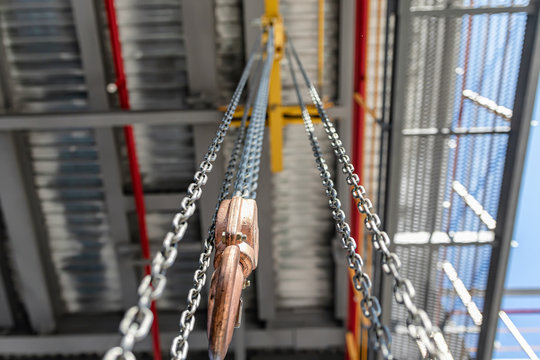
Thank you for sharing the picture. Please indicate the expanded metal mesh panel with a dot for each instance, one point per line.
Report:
(42, 56)
(475, 161)
(154, 53)
(66, 174)
(166, 157)
(439, 297)
(302, 224)
(452, 156)
(301, 22)
(229, 45)
(444, 4)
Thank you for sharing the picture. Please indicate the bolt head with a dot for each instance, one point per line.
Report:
(112, 88)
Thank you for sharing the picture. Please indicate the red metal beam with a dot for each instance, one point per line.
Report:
(361, 29)
(134, 169)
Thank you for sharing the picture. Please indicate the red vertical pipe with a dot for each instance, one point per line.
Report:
(358, 139)
(134, 170)
(116, 49)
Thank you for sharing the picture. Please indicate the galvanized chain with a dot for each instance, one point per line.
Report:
(248, 172)
(138, 319)
(255, 161)
(238, 145)
(180, 345)
(418, 322)
(369, 304)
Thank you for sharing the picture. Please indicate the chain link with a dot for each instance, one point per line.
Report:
(369, 304)
(418, 323)
(138, 319)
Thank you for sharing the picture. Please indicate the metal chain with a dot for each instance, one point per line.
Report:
(138, 319)
(418, 322)
(255, 161)
(369, 304)
(236, 152)
(248, 172)
(260, 114)
(180, 345)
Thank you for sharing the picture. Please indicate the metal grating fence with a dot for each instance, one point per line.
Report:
(463, 4)
(461, 76)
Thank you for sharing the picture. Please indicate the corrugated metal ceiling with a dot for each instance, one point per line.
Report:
(47, 76)
(42, 56)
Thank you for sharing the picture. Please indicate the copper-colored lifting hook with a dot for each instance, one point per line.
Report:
(237, 253)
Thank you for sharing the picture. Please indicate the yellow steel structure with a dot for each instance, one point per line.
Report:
(291, 113)
(278, 114)
(275, 110)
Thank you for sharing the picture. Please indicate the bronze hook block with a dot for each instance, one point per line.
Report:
(237, 250)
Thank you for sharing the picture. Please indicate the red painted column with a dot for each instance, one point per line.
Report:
(361, 30)
(134, 169)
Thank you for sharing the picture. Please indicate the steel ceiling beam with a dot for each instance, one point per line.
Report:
(290, 338)
(109, 161)
(105, 119)
(399, 84)
(6, 317)
(119, 118)
(24, 239)
(91, 50)
(252, 14)
(265, 274)
(200, 43)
